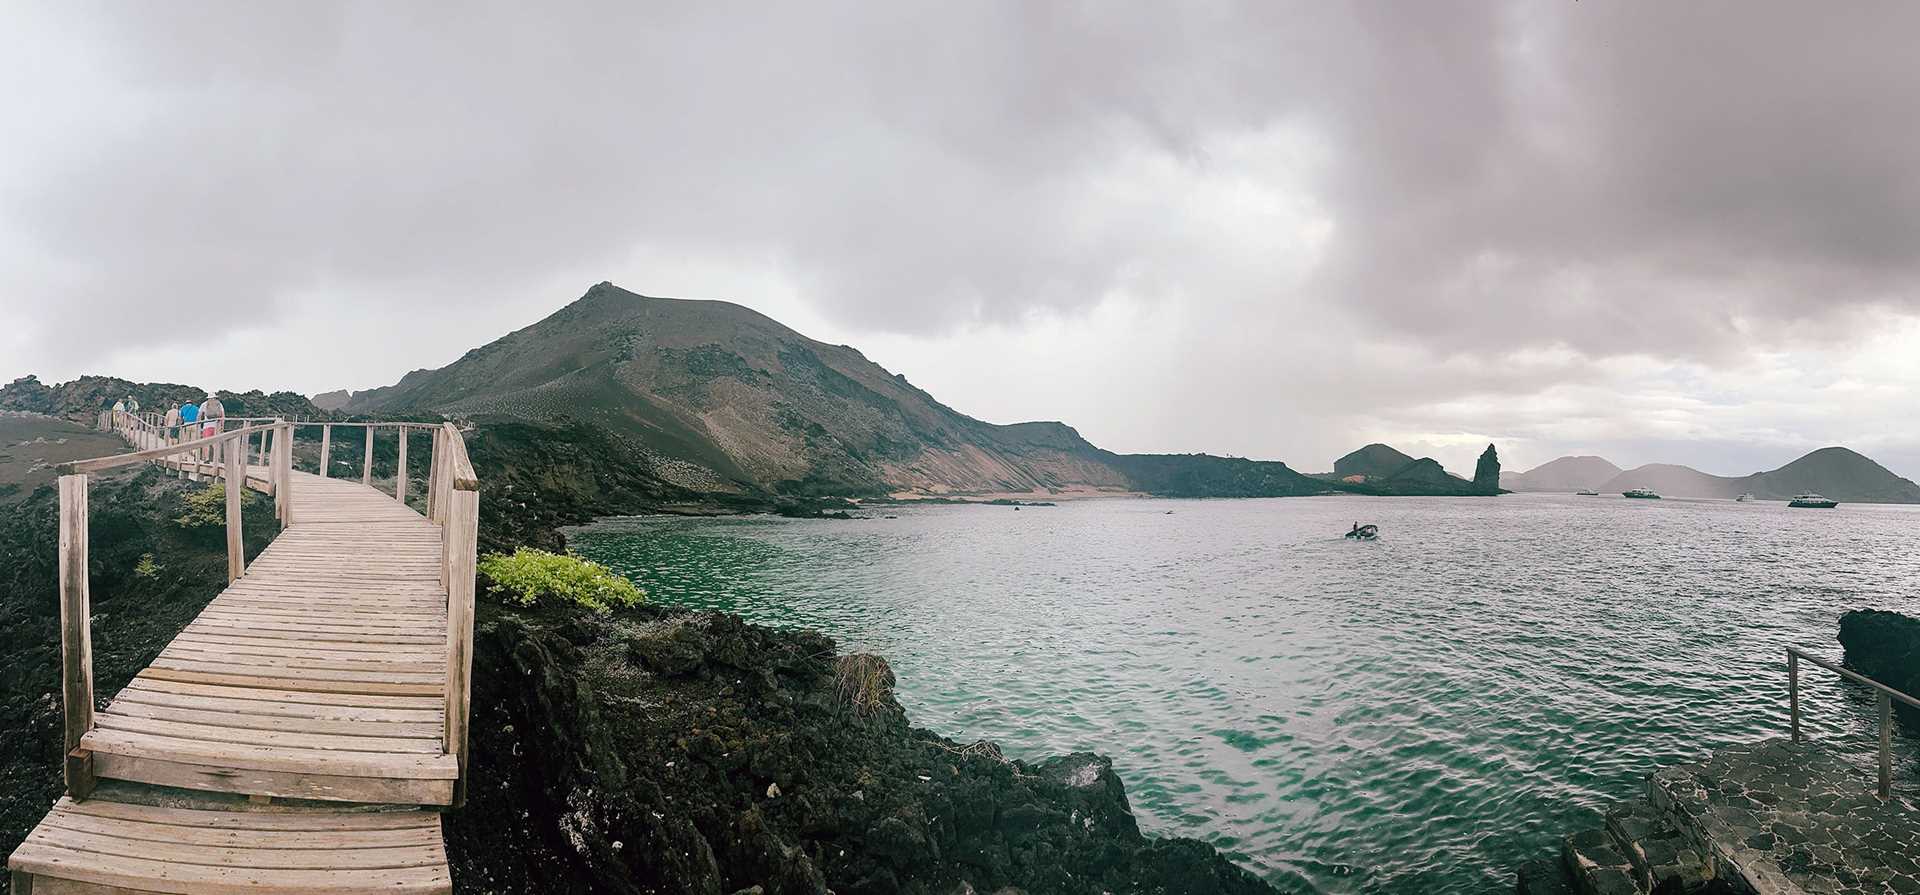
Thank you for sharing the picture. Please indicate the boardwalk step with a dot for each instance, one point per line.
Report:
(107, 847)
(292, 770)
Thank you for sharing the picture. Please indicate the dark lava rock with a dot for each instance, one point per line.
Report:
(660, 750)
(1885, 646)
(1486, 472)
(814, 508)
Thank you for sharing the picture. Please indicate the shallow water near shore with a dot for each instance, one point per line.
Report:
(1423, 713)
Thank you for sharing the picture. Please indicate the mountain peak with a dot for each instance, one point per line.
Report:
(1840, 473)
(1572, 473)
(1373, 461)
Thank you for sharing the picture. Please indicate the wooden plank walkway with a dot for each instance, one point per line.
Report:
(321, 676)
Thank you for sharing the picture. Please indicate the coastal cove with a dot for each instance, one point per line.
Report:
(1420, 714)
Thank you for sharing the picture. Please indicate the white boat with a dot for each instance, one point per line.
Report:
(1744, 498)
(1586, 492)
(1641, 494)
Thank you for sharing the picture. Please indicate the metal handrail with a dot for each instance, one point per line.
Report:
(1883, 694)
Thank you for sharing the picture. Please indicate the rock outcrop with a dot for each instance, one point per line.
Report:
(1486, 473)
(337, 399)
(1884, 646)
(662, 750)
(1379, 469)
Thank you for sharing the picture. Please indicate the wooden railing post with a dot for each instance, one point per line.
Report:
(76, 634)
(432, 479)
(366, 466)
(236, 485)
(283, 468)
(460, 535)
(326, 448)
(400, 471)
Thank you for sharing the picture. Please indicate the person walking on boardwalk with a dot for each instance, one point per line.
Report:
(170, 427)
(133, 404)
(119, 415)
(213, 416)
(189, 426)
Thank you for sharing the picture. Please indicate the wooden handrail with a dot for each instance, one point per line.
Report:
(463, 477)
(460, 532)
(76, 619)
(79, 467)
(1883, 694)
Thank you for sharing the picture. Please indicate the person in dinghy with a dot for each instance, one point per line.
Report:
(1364, 532)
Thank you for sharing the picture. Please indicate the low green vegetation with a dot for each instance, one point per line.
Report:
(207, 507)
(528, 577)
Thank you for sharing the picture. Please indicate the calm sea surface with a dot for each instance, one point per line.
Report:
(1419, 714)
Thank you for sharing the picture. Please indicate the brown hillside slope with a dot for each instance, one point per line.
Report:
(741, 401)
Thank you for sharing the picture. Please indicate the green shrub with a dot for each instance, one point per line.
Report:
(207, 507)
(532, 576)
(147, 568)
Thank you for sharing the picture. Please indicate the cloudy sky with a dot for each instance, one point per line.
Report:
(1679, 232)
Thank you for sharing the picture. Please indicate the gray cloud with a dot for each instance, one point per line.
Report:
(1463, 203)
(1679, 179)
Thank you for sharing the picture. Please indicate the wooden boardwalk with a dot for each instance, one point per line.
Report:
(325, 685)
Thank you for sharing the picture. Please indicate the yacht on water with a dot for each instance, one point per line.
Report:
(1813, 501)
(1744, 498)
(1586, 492)
(1641, 494)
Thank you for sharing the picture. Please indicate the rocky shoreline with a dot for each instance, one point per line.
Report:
(663, 750)
(1774, 811)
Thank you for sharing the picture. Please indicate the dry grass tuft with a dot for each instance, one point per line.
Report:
(865, 683)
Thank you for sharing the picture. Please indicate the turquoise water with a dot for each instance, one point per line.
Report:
(1419, 714)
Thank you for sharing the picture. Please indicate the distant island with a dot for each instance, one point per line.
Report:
(1381, 469)
(1836, 472)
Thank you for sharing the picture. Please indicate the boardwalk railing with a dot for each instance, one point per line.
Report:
(452, 498)
(401, 431)
(1884, 695)
(76, 616)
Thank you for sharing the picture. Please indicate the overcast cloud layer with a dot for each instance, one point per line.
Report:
(1680, 232)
